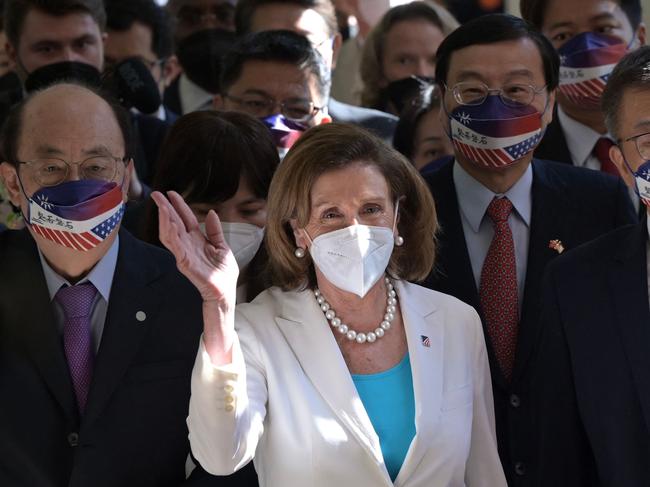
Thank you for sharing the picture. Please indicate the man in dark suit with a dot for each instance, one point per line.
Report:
(592, 380)
(503, 216)
(316, 20)
(577, 135)
(98, 331)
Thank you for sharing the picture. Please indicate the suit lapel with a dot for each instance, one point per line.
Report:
(628, 285)
(307, 333)
(545, 225)
(421, 321)
(30, 310)
(553, 146)
(131, 295)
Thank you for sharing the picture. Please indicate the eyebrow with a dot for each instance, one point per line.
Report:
(367, 199)
(595, 18)
(475, 74)
(100, 149)
(431, 139)
(642, 124)
(251, 200)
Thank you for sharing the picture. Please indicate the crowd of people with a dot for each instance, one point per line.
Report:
(240, 245)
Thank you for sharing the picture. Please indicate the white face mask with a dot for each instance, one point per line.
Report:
(244, 239)
(353, 258)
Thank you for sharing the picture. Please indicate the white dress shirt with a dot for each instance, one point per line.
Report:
(101, 276)
(580, 140)
(473, 201)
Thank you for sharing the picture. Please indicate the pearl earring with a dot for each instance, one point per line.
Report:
(399, 241)
(299, 252)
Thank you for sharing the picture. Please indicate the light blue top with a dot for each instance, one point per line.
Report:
(101, 276)
(390, 404)
(473, 201)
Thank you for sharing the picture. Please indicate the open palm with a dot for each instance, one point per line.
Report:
(206, 260)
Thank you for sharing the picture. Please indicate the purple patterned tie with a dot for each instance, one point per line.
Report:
(77, 302)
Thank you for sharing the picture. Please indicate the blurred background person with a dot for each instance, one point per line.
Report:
(204, 32)
(277, 77)
(400, 54)
(221, 161)
(316, 20)
(591, 36)
(142, 29)
(420, 135)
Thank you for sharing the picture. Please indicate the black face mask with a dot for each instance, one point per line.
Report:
(200, 55)
(49, 74)
(403, 91)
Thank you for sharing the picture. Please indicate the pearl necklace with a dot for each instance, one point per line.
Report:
(350, 334)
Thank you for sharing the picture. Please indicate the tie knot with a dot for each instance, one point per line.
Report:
(499, 209)
(601, 149)
(76, 301)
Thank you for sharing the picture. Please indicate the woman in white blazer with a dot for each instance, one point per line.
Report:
(344, 374)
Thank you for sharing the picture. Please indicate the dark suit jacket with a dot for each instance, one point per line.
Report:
(133, 432)
(382, 124)
(592, 383)
(150, 133)
(571, 204)
(553, 146)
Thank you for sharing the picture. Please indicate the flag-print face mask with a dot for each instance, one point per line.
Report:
(76, 214)
(494, 135)
(586, 62)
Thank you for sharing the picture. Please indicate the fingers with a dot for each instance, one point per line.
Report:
(184, 212)
(162, 202)
(213, 230)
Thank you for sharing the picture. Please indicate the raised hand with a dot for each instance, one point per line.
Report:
(206, 261)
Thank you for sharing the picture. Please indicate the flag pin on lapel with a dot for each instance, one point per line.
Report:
(556, 245)
(425, 341)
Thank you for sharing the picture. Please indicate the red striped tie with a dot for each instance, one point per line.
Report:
(498, 287)
(601, 151)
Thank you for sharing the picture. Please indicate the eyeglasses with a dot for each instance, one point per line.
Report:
(297, 110)
(512, 94)
(642, 142)
(223, 13)
(50, 171)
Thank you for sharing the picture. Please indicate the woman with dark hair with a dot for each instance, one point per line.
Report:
(222, 161)
(420, 135)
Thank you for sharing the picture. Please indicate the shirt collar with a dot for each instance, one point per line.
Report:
(101, 276)
(474, 198)
(193, 97)
(579, 138)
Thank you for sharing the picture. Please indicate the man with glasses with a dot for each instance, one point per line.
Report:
(278, 77)
(316, 20)
(99, 330)
(503, 215)
(142, 29)
(592, 386)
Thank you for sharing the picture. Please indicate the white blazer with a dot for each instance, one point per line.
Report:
(288, 399)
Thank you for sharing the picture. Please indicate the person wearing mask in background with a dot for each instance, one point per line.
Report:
(142, 29)
(591, 36)
(94, 367)
(221, 161)
(399, 56)
(592, 386)
(66, 33)
(505, 214)
(277, 77)
(316, 20)
(420, 136)
(204, 32)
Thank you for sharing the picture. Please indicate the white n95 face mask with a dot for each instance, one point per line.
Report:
(244, 239)
(353, 258)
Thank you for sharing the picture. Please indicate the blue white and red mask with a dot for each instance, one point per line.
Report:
(494, 135)
(76, 214)
(642, 181)
(586, 62)
(285, 132)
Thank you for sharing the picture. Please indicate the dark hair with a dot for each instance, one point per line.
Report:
(12, 126)
(205, 155)
(633, 71)
(493, 28)
(121, 14)
(409, 119)
(534, 11)
(15, 12)
(281, 46)
(246, 9)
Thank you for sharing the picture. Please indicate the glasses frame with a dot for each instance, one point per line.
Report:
(68, 164)
(273, 103)
(634, 138)
(507, 101)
